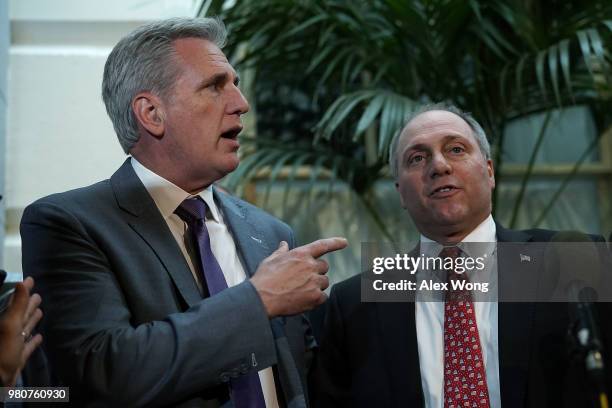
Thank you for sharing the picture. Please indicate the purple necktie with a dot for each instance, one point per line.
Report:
(245, 390)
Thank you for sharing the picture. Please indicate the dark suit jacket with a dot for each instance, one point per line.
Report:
(124, 323)
(369, 355)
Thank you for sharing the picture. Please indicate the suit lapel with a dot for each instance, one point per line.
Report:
(253, 247)
(397, 331)
(144, 218)
(250, 242)
(517, 274)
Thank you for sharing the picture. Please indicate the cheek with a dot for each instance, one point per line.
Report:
(483, 182)
(410, 191)
(406, 184)
(478, 173)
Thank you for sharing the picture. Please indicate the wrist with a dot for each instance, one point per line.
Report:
(267, 299)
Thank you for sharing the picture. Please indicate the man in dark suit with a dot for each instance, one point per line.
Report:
(417, 353)
(160, 290)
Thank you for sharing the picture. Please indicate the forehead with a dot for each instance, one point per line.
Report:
(201, 54)
(434, 126)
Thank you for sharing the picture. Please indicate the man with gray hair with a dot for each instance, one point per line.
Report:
(160, 289)
(454, 351)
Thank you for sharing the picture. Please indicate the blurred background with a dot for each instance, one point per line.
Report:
(330, 83)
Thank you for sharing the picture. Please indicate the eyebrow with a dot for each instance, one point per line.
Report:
(219, 78)
(423, 146)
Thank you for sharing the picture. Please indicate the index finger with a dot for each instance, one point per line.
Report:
(323, 246)
(28, 283)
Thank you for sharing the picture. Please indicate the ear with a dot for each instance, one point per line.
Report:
(401, 197)
(491, 173)
(148, 110)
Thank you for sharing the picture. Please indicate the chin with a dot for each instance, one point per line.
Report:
(449, 211)
(450, 218)
(231, 165)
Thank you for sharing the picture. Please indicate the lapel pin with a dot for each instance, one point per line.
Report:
(525, 258)
(256, 239)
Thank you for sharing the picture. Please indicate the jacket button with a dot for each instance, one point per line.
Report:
(224, 377)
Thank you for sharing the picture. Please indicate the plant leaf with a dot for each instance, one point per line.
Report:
(369, 114)
(586, 50)
(554, 78)
(564, 60)
(540, 72)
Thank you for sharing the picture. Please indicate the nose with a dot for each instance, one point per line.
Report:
(237, 104)
(439, 166)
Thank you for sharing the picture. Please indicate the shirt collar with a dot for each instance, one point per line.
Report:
(167, 195)
(207, 196)
(486, 231)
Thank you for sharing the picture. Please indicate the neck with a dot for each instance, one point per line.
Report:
(447, 238)
(450, 234)
(170, 172)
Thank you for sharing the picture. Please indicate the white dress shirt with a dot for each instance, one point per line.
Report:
(168, 197)
(430, 327)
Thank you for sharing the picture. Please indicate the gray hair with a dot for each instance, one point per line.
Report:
(144, 61)
(477, 131)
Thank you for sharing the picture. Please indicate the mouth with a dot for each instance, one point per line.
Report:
(232, 133)
(444, 191)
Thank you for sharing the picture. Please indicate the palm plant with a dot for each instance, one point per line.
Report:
(335, 79)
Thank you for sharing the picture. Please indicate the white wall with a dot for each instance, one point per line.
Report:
(100, 10)
(4, 52)
(58, 134)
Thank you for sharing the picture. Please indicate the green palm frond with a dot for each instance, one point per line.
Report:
(389, 108)
(271, 158)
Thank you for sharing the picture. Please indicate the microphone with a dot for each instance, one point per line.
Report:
(584, 332)
(582, 316)
(580, 266)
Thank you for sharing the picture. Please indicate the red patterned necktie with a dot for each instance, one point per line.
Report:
(465, 380)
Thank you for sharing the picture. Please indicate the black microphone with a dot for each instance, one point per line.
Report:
(582, 315)
(580, 269)
(586, 337)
